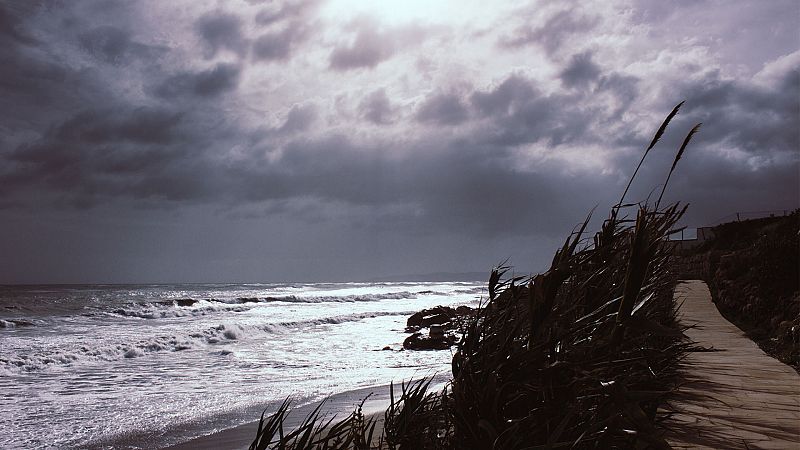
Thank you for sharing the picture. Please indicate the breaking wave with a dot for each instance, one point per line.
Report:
(336, 298)
(16, 323)
(225, 332)
(191, 307)
(333, 320)
(163, 310)
(44, 359)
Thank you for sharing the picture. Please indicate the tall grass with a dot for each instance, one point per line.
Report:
(580, 356)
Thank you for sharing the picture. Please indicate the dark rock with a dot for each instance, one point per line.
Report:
(418, 341)
(427, 317)
(436, 331)
(185, 301)
(442, 321)
(464, 310)
(438, 315)
(386, 348)
(178, 302)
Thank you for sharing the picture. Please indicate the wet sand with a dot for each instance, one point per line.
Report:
(339, 405)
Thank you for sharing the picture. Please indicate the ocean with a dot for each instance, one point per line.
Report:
(152, 365)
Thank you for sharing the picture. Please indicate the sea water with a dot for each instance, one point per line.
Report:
(151, 365)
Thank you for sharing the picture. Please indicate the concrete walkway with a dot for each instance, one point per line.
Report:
(735, 396)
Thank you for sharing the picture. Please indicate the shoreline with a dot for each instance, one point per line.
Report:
(337, 405)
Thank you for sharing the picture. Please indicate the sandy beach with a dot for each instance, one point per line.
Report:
(338, 405)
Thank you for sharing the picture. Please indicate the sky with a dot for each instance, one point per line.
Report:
(261, 141)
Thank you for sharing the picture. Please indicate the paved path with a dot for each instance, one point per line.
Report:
(735, 396)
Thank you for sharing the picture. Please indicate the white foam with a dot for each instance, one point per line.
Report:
(160, 311)
(103, 361)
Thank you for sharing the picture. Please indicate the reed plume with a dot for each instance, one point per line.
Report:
(677, 158)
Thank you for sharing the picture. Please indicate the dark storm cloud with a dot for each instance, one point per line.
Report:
(528, 158)
(377, 108)
(141, 125)
(78, 142)
(208, 83)
(517, 113)
(168, 155)
(746, 156)
(624, 88)
(442, 109)
(299, 118)
(580, 71)
(444, 182)
(114, 45)
(278, 45)
(755, 119)
(507, 94)
(716, 187)
(552, 34)
(221, 31)
(37, 89)
(10, 17)
(84, 154)
(286, 23)
(290, 25)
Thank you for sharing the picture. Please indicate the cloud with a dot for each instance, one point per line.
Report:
(278, 45)
(553, 34)
(747, 117)
(505, 96)
(516, 112)
(221, 31)
(366, 50)
(221, 117)
(277, 12)
(73, 139)
(441, 186)
(442, 109)
(777, 71)
(141, 125)
(580, 71)
(290, 25)
(114, 45)
(208, 83)
(10, 29)
(377, 108)
(299, 118)
(623, 88)
(102, 155)
(372, 44)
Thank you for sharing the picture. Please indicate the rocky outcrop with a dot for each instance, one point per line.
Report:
(419, 341)
(442, 324)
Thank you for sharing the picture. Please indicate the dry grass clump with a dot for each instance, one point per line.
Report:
(353, 432)
(580, 356)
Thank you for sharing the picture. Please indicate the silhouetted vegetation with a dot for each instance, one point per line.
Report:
(583, 355)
